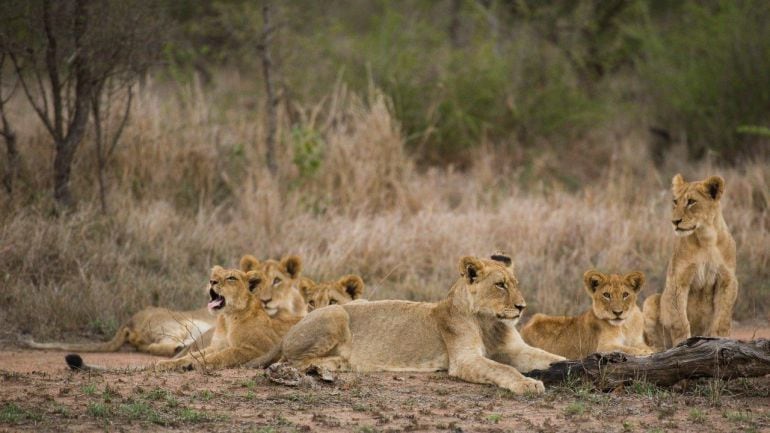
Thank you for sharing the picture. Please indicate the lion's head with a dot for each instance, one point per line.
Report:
(233, 290)
(489, 288)
(695, 203)
(281, 291)
(341, 291)
(614, 296)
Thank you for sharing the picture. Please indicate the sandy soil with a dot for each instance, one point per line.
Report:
(38, 393)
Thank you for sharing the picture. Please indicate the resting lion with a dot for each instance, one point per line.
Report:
(281, 295)
(157, 331)
(243, 330)
(471, 333)
(613, 324)
(340, 291)
(701, 287)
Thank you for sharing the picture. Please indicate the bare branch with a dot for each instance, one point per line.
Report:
(122, 123)
(42, 114)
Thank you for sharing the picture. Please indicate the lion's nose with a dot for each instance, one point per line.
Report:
(267, 301)
(676, 222)
(520, 307)
(618, 313)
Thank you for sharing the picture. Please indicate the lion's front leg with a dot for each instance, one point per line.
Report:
(673, 307)
(478, 369)
(724, 300)
(524, 357)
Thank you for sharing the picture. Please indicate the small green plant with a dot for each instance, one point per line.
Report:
(193, 416)
(628, 426)
(12, 414)
(157, 394)
(697, 415)
(98, 410)
(737, 416)
(575, 408)
(89, 389)
(205, 395)
(494, 418)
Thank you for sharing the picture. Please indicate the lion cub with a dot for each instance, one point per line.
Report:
(243, 330)
(613, 324)
(340, 291)
(471, 333)
(701, 287)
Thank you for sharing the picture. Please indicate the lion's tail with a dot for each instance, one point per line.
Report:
(108, 346)
(75, 362)
(268, 358)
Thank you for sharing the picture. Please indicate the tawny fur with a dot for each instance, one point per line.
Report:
(613, 324)
(341, 291)
(701, 287)
(281, 295)
(471, 333)
(243, 329)
(153, 330)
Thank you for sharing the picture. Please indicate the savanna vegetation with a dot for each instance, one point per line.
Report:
(146, 143)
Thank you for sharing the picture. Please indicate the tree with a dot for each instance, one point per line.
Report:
(13, 159)
(64, 52)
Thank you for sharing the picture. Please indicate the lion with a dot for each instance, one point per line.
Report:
(281, 295)
(153, 330)
(701, 286)
(613, 324)
(243, 329)
(340, 291)
(471, 333)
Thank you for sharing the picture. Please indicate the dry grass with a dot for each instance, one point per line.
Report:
(189, 190)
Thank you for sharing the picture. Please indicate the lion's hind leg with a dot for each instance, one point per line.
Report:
(653, 331)
(321, 339)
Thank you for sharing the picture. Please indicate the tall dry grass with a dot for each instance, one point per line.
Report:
(189, 189)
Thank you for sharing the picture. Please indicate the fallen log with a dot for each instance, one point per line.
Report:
(694, 358)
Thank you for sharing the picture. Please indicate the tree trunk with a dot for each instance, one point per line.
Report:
(272, 100)
(694, 358)
(13, 159)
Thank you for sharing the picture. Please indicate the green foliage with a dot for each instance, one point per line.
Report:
(707, 74)
(307, 145)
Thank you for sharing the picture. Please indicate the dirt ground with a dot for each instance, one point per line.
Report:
(38, 393)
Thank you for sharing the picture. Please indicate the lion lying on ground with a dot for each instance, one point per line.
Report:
(157, 331)
(340, 291)
(701, 287)
(613, 324)
(471, 333)
(243, 328)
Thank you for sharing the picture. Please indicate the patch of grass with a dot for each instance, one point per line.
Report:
(738, 416)
(647, 389)
(697, 415)
(205, 395)
(12, 414)
(194, 416)
(266, 430)
(713, 390)
(250, 384)
(366, 429)
(89, 389)
(627, 425)
(494, 418)
(98, 410)
(575, 408)
(157, 394)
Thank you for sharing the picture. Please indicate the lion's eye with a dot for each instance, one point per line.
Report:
(231, 278)
(213, 282)
(502, 286)
(625, 295)
(606, 295)
(332, 301)
(312, 303)
(690, 202)
(674, 202)
(276, 281)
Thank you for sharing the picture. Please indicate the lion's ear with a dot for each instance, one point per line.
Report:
(249, 263)
(470, 267)
(292, 265)
(306, 290)
(714, 187)
(593, 279)
(255, 280)
(677, 182)
(503, 258)
(216, 269)
(353, 285)
(635, 280)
